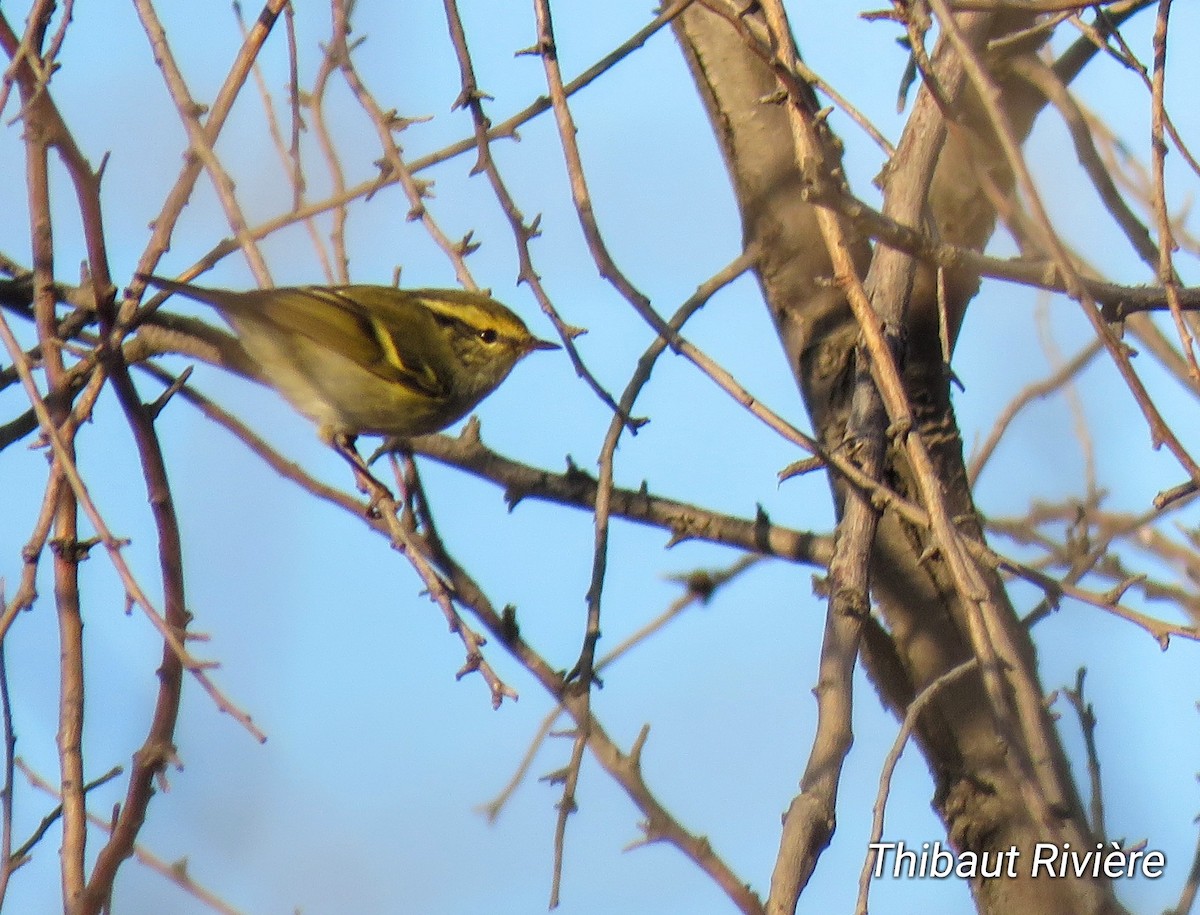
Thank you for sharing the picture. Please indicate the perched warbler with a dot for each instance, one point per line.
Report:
(372, 359)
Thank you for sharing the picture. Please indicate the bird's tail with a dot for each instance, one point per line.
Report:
(215, 297)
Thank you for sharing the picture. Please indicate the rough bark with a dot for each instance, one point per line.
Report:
(978, 790)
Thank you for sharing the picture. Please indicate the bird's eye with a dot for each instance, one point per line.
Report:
(488, 335)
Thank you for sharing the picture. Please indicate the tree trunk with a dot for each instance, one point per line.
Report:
(980, 794)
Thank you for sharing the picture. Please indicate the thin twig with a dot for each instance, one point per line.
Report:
(911, 715)
(1087, 724)
(1035, 391)
(176, 873)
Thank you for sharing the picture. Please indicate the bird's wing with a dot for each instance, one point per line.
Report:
(337, 318)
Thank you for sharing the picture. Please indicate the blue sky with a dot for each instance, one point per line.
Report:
(363, 798)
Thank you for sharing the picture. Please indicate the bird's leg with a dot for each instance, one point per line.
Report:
(344, 445)
(405, 472)
(399, 449)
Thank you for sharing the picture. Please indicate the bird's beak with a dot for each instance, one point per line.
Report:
(535, 343)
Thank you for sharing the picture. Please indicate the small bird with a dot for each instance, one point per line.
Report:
(372, 360)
